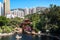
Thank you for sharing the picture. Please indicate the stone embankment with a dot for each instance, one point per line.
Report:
(6, 34)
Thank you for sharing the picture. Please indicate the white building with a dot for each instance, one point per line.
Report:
(17, 13)
(26, 11)
(1, 9)
(34, 10)
(10, 16)
(23, 12)
(30, 11)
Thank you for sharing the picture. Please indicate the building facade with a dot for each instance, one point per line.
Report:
(26, 11)
(1, 9)
(17, 13)
(33, 10)
(23, 12)
(6, 7)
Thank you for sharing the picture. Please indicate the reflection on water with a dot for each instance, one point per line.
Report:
(13, 37)
(48, 38)
(6, 38)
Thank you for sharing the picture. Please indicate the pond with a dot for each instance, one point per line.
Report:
(43, 37)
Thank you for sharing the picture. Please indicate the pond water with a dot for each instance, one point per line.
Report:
(13, 37)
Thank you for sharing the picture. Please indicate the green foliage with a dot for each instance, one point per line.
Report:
(48, 19)
(7, 25)
(15, 21)
(41, 24)
(53, 18)
(7, 29)
(3, 20)
(0, 30)
(34, 18)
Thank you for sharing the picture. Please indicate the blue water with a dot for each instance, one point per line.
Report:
(28, 37)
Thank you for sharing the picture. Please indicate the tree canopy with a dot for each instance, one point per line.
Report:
(48, 19)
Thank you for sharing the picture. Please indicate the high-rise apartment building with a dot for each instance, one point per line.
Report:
(6, 7)
(30, 11)
(26, 11)
(1, 9)
(34, 10)
(18, 13)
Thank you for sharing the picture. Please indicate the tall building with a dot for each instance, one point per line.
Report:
(19, 12)
(30, 11)
(34, 10)
(26, 11)
(6, 7)
(1, 9)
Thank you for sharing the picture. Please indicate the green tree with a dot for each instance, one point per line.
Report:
(34, 18)
(53, 17)
(3, 20)
(15, 21)
(50, 18)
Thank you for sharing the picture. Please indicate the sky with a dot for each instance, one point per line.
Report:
(31, 3)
